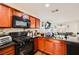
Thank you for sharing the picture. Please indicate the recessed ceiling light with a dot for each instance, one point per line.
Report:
(47, 5)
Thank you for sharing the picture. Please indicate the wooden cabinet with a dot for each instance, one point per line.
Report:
(37, 23)
(9, 50)
(41, 43)
(17, 13)
(52, 46)
(7, 12)
(49, 47)
(60, 47)
(32, 19)
(35, 44)
(5, 16)
(46, 45)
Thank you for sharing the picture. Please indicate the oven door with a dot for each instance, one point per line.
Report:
(28, 48)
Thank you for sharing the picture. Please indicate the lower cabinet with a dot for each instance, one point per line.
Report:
(35, 44)
(10, 50)
(41, 43)
(60, 49)
(49, 47)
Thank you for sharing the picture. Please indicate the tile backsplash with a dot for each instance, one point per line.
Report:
(8, 30)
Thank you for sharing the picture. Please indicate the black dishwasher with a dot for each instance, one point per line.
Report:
(72, 48)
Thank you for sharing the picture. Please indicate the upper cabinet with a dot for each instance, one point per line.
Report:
(5, 16)
(6, 19)
(32, 20)
(37, 23)
(17, 13)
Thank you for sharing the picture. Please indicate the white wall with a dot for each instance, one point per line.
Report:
(72, 26)
(69, 27)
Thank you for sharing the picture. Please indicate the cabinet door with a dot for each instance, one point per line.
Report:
(41, 43)
(35, 44)
(8, 50)
(12, 52)
(17, 13)
(5, 16)
(37, 23)
(49, 47)
(60, 48)
(32, 19)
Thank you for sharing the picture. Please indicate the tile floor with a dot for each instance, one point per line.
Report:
(39, 53)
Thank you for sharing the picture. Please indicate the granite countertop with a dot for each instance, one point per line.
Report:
(52, 38)
(6, 45)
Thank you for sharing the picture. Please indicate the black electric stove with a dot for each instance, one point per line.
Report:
(24, 43)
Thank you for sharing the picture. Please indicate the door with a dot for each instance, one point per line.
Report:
(5, 16)
(49, 47)
(32, 20)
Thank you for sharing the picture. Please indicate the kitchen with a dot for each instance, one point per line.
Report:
(39, 29)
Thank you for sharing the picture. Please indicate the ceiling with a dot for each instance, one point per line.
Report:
(67, 11)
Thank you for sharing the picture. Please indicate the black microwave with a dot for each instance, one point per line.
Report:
(18, 22)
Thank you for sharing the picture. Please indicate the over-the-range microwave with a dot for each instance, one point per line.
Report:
(18, 22)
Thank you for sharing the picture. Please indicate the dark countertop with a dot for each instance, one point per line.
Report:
(51, 39)
(6, 45)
